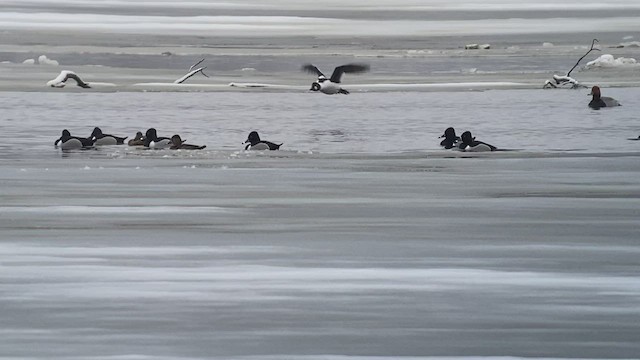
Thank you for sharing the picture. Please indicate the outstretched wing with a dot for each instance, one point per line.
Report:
(312, 69)
(350, 69)
(71, 75)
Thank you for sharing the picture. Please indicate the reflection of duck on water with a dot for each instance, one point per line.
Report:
(178, 144)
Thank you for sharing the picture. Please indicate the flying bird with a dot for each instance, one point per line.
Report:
(332, 85)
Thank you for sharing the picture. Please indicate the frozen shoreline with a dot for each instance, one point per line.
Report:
(512, 62)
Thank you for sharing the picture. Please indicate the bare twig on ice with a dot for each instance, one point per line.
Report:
(583, 56)
(192, 72)
(566, 81)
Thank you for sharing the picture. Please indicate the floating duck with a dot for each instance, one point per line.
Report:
(152, 140)
(178, 144)
(105, 139)
(254, 143)
(598, 101)
(469, 143)
(68, 142)
(138, 140)
(450, 138)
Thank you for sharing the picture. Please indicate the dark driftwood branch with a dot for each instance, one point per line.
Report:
(583, 56)
(192, 72)
(196, 64)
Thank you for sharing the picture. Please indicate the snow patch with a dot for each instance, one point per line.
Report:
(477, 46)
(44, 60)
(609, 61)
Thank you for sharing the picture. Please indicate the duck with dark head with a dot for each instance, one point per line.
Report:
(68, 142)
(152, 141)
(450, 138)
(178, 144)
(100, 138)
(469, 143)
(255, 143)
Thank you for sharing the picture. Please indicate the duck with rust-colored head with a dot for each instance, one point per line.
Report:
(599, 101)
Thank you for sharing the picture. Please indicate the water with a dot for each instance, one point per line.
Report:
(360, 239)
(375, 123)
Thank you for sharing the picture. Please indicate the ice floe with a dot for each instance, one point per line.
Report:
(609, 61)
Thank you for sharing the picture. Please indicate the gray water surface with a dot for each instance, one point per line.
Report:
(361, 238)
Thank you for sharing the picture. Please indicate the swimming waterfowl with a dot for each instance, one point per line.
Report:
(332, 85)
(599, 101)
(154, 142)
(177, 144)
(450, 138)
(68, 142)
(254, 143)
(469, 143)
(138, 140)
(105, 139)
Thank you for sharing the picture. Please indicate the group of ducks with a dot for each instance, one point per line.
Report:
(150, 140)
(467, 142)
(464, 142)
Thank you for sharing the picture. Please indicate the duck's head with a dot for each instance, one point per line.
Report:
(151, 134)
(595, 91)
(139, 136)
(467, 138)
(315, 86)
(176, 140)
(253, 138)
(96, 132)
(449, 133)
